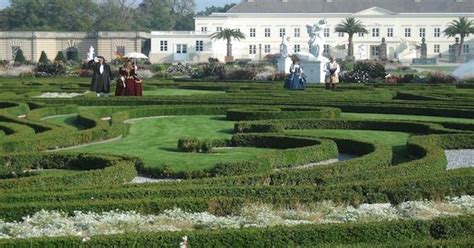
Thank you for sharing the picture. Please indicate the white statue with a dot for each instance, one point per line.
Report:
(285, 47)
(316, 41)
(361, 52)
(90, 54)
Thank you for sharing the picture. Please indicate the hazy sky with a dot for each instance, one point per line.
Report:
(201, 4)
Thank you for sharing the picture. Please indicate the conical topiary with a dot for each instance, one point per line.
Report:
(60, 57)
(43, 58)
(20, 58)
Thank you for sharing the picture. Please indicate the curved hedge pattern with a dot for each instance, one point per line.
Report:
(262, 112)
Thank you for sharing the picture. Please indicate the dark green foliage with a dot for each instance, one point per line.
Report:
(43, 58)
(374, 69)
(20, 58)
(61, 58)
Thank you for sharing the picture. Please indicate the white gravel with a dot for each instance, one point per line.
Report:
(460, 158)
(141, 179)
(59, 95)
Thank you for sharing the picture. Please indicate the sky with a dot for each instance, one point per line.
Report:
(201, 4)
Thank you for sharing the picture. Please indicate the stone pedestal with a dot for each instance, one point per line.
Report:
(313, 70)
(228, 59)
(284, 65)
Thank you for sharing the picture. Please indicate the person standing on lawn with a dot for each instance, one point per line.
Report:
(101, 76)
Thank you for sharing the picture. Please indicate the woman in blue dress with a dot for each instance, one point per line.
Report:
(296, 80)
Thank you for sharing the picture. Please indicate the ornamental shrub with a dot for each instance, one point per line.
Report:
(60, 57)
(374, 69)
(43, 58)
(440, 78)
(20, 58)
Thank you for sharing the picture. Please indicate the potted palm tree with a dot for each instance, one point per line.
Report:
(462, 27)
(228, 34)
(351, 26)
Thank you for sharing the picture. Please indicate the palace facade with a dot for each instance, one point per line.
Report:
(402, 24)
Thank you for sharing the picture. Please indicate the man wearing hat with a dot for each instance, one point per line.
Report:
(101, 77)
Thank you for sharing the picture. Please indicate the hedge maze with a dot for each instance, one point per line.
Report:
(279, 130)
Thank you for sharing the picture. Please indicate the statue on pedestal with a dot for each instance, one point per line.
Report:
(284, 62)
(316, 41)
(90, 54)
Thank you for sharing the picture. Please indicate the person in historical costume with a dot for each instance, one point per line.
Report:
(128, 84)
(296, 79)
(332, 70)
(101, 77)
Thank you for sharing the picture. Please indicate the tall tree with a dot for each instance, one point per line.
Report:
(228, 34)
(215, 9)
(116, 15)
(49, 15)
(351, 26)
(166, 14)
(462, 27)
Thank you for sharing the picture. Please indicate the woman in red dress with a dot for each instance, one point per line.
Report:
(138, 83)
(128, 84)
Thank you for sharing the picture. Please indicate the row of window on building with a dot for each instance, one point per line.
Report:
(375, 32)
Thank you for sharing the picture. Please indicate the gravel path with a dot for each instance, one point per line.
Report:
(460, 158)
(84, 145)
(141, 180)
(341, 157)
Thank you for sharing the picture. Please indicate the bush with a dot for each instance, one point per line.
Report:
(409, 78)
(43, 58)
(241, 74)
(440, 78)
(20, 58)
(354, 77)
(53, 69)
(60, 57)
(374, 69)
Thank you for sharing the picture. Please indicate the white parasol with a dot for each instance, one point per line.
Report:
(135, 55)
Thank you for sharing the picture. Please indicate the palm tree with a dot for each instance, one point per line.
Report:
(462, 26)
(228, 34)
(351, 26)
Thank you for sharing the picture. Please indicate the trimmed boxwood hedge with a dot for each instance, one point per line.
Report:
(451, 230)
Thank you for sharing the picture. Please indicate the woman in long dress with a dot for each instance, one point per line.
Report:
(128, 84)
(296, 76)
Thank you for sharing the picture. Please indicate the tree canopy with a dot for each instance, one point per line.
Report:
(97, 15)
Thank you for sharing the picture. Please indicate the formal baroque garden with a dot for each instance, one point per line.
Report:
(221, 155)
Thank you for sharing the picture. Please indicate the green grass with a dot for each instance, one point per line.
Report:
(397, 140)
(65, 120)
(178, 92)
(58, 172)
(403, 117)
(155, 142)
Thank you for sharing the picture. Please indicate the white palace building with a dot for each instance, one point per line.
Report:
(403, 24)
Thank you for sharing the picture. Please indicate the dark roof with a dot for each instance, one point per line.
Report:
(353, 6)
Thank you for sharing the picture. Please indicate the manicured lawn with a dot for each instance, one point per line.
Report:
(178, 92)
(403, 117)
(397, 140)
(155, 142)
(65, 120)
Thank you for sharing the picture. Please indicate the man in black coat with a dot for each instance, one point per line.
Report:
(101, 77)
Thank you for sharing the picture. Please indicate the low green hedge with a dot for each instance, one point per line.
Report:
(382, 125)
(96, 170)
(451, 230)
(265, 113)
(291, 151)
(39, 113)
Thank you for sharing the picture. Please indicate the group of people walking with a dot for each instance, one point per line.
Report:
(128, 83)
(297, 80)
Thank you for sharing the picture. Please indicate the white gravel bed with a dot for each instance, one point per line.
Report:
(341, 157)
(460, 158)
(142, 179)
(59, 95)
